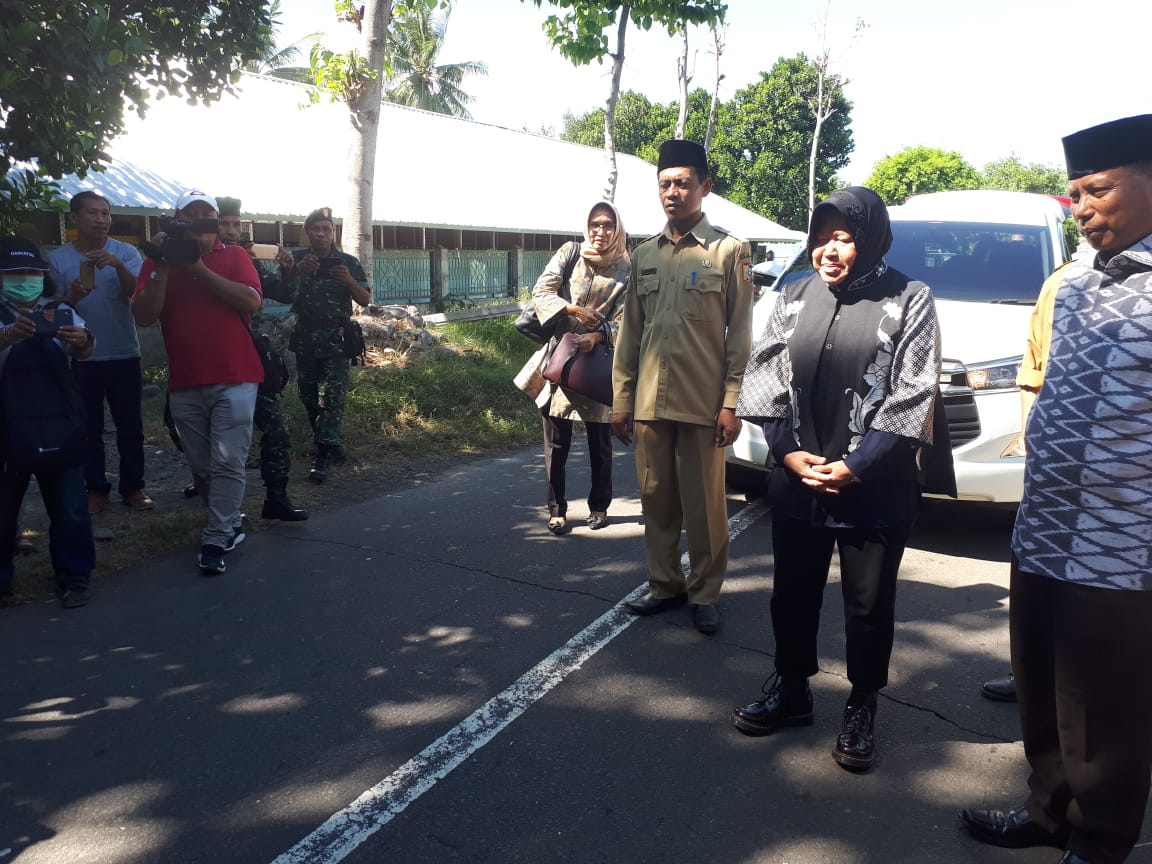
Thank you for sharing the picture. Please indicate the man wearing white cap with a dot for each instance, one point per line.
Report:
(203, 294)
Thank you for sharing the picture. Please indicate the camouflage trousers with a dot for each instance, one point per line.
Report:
(275, 439)
(323, 383)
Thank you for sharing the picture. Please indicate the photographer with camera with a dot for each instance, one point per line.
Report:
(41, 418)
(323, 282)
(98, 273)
(269, 419)
(203, 294)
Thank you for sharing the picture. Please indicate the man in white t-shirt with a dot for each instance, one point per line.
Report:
(98, 276)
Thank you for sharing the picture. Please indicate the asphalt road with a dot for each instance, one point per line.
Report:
(437, 657)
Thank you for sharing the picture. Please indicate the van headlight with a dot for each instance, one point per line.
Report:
(994, 376)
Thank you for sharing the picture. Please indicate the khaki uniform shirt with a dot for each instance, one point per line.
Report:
(686, 331)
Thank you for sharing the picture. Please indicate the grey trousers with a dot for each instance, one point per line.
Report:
(215, 426)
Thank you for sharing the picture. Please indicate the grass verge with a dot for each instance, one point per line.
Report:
(400, 418)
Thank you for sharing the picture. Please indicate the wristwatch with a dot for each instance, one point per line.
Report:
(155, 276)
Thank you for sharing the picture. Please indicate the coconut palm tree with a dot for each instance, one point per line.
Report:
(414, 40)
(284, 62)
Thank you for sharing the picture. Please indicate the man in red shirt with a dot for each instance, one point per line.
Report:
(203, 294)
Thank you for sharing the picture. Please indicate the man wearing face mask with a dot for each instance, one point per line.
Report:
(41, 360)
(204, 307)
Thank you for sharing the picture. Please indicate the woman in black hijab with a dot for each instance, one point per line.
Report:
(844, 381)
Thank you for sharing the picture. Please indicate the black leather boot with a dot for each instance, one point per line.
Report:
(319, 472)
(856, 744)
(277, 505)
(785, 703)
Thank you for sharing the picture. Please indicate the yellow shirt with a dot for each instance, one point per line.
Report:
(686, 331)
(1031, 371)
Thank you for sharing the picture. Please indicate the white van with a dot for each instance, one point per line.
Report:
(985, 255)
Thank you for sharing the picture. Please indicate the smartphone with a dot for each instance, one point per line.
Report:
(264, 251)
(327, 264)
(48, 321)
(88, 275)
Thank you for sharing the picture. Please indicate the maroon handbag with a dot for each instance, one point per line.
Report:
(588, 373)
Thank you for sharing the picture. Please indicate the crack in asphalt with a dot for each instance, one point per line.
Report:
(421, 559)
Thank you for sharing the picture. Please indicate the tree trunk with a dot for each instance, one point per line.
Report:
(682, 78)
(821, 115)
(718, 43)
(364, 113)
(613, 98)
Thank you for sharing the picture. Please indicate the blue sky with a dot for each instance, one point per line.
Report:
(1000, 77)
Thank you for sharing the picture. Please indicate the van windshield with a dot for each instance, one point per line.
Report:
(973, 260)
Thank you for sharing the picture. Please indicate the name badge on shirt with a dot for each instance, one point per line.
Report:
(648, 271)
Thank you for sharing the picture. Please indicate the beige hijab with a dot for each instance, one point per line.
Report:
(615, 253)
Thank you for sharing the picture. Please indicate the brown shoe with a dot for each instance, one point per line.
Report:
(137, 500)
(97, 502)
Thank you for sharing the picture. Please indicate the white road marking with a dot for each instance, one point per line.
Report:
(342, 832)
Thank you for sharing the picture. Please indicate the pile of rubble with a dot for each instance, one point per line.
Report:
(394, 330)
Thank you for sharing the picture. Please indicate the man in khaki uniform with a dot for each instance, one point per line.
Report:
(684, 339)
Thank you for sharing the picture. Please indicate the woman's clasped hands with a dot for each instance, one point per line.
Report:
(818, 473)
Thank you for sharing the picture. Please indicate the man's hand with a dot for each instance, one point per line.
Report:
(340, 273)
(77, 291)
(622, 427)
(727, 427)
(286, 261)
(73, 336)
(309, 264)
(104, 258)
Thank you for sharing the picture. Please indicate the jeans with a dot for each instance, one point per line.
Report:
(118, 382)
(70, 533)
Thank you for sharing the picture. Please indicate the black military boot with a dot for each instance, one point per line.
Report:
(278, 506)
(785, 703)
(856, 744)
(319, 472)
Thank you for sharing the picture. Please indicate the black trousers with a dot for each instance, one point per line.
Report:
(557, 445)
(869, 563)
(1081, 658)
(118, 382)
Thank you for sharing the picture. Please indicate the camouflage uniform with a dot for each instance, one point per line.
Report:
(270, 419)
(322, 306)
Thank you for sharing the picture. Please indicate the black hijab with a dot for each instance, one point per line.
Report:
(867, 219)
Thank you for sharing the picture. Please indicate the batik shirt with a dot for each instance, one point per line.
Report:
(1086, 516)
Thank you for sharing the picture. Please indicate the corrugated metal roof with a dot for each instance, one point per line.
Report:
(127, 186)
(284, 160)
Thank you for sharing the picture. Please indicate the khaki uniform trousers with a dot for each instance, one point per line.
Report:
(681, 474)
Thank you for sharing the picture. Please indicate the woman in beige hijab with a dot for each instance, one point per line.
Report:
(596, 292)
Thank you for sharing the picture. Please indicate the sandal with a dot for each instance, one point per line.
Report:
(558, 525)
(596, 521)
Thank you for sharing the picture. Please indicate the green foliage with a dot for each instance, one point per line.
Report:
(579, 34)
(70, 68)
(22, 192)
(1013, 175)
(343, 76)
(414, 42)
(916, 170)
(763, 138)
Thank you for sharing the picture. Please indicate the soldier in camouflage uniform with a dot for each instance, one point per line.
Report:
(269, 418)
(323, 282)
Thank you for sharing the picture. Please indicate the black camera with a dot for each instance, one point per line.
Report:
(178, 245)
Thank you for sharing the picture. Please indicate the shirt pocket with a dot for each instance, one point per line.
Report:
(705, 298)
(648, 292)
